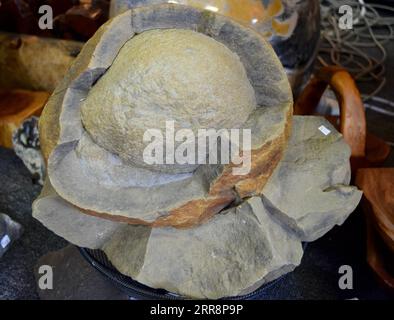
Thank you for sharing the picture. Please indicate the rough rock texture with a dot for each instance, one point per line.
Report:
(270, 131)
(240, 248)
(34, 63)
(237, 251)
(166, 75)
(135, 195)
(309, 190)
(68, 222)
(95, 57)
(127, 193)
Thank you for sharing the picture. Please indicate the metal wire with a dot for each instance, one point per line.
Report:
(346, 48)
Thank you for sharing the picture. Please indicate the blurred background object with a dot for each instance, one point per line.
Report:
(378, 204)
(15, 107)
(292, 26)
(34, 63)
(360, 50)
(82, 20)
(26, 144)
(73, 19)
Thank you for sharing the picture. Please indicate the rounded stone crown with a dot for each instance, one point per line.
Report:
(141, 69)
(166, 75)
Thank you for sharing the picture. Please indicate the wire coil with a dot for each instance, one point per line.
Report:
(372, 28)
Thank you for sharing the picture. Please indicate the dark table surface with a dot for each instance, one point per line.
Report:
(316, 278)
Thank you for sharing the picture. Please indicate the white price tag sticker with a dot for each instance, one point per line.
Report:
(5, 241)
(324, 130)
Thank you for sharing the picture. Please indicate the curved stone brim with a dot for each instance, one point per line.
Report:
(97, 181)
(68, 222)
(138, 196)
(309, 191)
(240, 248)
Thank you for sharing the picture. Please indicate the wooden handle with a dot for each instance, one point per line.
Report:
(352, 120)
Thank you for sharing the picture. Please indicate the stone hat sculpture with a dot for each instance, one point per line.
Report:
(197, 230)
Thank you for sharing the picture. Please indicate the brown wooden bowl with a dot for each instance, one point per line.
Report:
(15, 107)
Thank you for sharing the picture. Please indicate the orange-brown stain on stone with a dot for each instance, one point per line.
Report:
(190, 214)
(263, 162)
(266, 163)
(195, 212)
